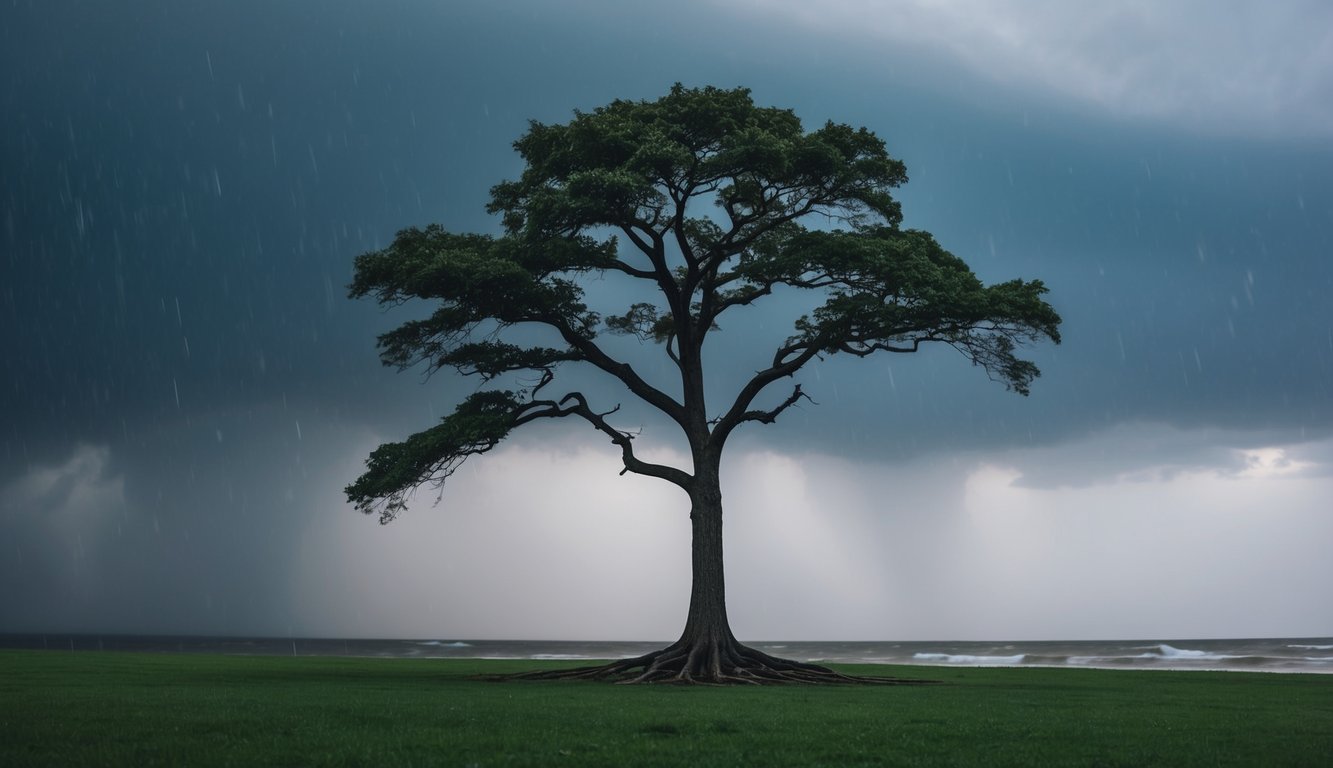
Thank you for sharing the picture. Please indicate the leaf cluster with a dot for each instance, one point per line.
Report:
(478, 282)
(395, 470)
(892, 290)
(634, 164)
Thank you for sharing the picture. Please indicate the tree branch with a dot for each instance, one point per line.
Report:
(786, 361)
(771, 415)
(622, 371)
(677, 302)
(575, 404)
(642, 274)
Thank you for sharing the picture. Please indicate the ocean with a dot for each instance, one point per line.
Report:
(1253, 655)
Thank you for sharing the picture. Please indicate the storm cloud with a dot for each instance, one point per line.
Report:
(188, 389)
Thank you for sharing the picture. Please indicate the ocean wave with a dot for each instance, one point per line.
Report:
(1046, 660)
(1312, 647)
(442, 644)
(559, 656)
(962, 658)
(1159, 652)
(1170, 652)
(1085, 660)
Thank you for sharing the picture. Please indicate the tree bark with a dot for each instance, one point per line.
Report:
(707, 618)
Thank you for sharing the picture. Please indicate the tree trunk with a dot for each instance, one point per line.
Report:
(707, 652)
(706, 621)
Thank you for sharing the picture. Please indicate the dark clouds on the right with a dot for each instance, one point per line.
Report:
(1192, 275)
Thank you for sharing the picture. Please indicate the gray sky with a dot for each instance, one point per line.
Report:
(188, 389)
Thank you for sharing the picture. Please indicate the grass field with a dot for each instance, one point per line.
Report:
(89, 709)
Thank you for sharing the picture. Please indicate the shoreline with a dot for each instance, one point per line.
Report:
(1280, 655)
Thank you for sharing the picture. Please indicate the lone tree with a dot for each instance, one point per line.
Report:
(712, 196)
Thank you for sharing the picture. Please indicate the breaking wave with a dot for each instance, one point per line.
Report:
(1165, 651)
(558, 656)
(962, 658)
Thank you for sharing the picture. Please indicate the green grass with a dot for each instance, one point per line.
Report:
(90, 708)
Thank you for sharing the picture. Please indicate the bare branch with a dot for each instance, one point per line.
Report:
(771, 415)
(575, 404)
(786, 361)
(632, 271)
(648, 249)
(661, 274)
(594, 354)
(670, 351)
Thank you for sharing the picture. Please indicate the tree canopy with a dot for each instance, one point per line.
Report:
(707, 196)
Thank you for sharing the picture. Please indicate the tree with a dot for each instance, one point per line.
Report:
(624, 189)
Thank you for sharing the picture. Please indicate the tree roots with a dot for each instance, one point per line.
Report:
(710, 663)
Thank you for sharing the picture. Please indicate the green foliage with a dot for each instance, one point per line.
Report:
(477, 280)
(632, 163)
(644, 321)
(708, 198)
(111, 709)
(892, 290)
(394, 470)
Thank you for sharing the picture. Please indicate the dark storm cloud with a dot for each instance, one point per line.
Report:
(1191, 275)
(1259, 69)
(186, 184)
(191, 186)
(195, 526)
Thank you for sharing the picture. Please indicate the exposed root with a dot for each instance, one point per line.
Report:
(724, 662)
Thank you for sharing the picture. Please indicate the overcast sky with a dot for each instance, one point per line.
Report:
(187, 388)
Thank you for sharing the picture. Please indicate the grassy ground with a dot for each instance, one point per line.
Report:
(125, 709)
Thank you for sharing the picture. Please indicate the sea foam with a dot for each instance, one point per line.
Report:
(1165, 651)
(962, 658)
(558, 656)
